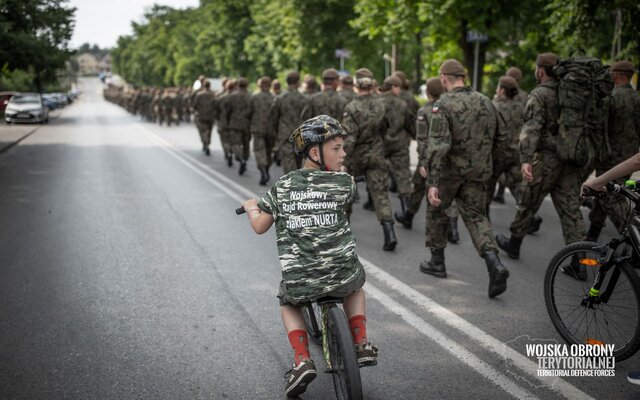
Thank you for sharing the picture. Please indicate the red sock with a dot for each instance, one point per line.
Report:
(300, 344)
(358, 325)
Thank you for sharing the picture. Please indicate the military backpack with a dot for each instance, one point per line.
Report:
(584, 99)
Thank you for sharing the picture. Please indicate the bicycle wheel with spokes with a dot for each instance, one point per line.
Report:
(344, 363)
(614, 316)
(311, 316)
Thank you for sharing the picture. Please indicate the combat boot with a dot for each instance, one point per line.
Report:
(453, 236)
(498, 274)
(390, 240)
(264, 176)
(243, 167)
(593, 233)
(511, 245)
(207, 151)
(535, 225)
(499, 197)
(229, 159)
(405, 218)
(369, 204)
(435, 266)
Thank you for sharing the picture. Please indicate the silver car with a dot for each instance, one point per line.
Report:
(26, 107)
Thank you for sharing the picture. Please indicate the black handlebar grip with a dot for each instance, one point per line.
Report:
(240, 210)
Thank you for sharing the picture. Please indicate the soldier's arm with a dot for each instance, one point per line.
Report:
(422, 137)
(439, 143)
(534, 121)
(351, 127)
(501, 149)
(410, 123)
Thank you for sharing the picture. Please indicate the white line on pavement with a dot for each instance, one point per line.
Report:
(240, 194)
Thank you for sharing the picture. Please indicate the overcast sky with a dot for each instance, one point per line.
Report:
(102, 21)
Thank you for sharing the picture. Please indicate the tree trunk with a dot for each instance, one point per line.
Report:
(418, 74)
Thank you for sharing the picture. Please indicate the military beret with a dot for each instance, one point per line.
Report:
(309, 78)
(364, 73)
(346, 79)
(242, 82)
(293, 75)
(622, 66)
(515, 73)
(508, 82)
(330, 74)
(264, 80)
(276, 83)
(452, 67)
(434, 87)
(392, 81)
(401, 75)
(546, 60)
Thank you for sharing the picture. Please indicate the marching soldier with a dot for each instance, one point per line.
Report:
(364, 121)
(327, 102)
(204, 110)
(346, 88)
(236, 112)
(465, 130)
(261, 128)
(286, 117)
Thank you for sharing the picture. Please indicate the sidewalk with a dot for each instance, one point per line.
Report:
(12, 134)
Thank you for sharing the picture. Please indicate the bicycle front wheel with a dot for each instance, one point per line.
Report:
(344, 363)
(611, 317)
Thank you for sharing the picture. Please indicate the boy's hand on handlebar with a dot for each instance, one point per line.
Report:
(249, 204)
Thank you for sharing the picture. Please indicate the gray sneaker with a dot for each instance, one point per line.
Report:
(299, 377)
(367, 354)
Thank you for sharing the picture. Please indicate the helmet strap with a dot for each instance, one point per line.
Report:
(320, 162)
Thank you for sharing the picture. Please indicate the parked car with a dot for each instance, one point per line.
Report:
(50, 102)
(26, 107)
(4, 99)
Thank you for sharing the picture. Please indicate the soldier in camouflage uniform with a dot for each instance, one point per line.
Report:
(521, 97)
(310, 209)
(365, 122)
(542, 170)
(204, 111)
(285, 117)
(508, 163)
(434, 90)
(261, 128)
(397, 137)
(327, 102)
(624, 140)
(223, 126)
(346, 88)
(276, 87)
(236, 112)
(309, 86)
(465, 131)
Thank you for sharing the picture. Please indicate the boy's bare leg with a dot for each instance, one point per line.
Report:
(292, 318)
(355, 304)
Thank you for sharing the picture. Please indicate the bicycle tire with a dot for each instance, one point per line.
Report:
(344, 363)
(311, 316)
(563, 296)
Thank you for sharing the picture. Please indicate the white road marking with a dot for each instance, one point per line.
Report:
(488, 342)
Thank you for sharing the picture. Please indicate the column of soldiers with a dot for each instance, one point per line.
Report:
(466, 144)
(169, 105)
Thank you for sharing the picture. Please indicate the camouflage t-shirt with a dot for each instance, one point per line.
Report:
(315, 242)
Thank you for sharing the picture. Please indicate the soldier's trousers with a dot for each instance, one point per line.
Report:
(376, 170)
(398, 159)
(288, 159)
(617, 208)
(204, 128)
(262, 147)
(240, 142)
(420, 192)
(512, 180)
(225, 140)
(563, 182)
(470, 198)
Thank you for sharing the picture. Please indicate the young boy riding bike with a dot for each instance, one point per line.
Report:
(310, 207)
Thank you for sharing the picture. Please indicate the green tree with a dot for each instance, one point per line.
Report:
(35, 36)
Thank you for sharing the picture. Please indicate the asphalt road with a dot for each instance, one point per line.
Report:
(125, 274)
